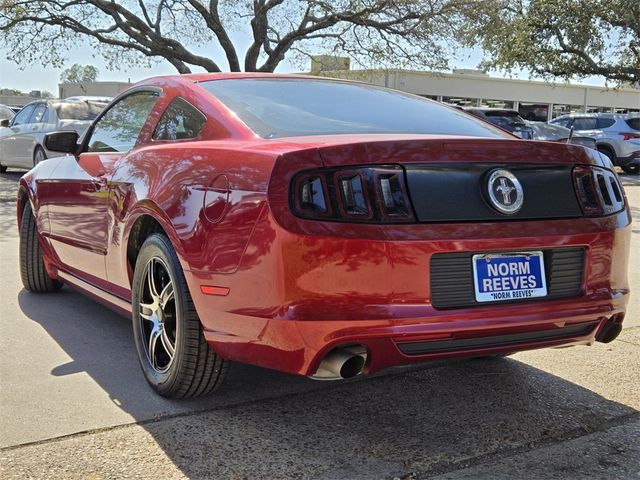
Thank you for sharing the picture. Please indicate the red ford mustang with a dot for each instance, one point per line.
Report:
(324, 228)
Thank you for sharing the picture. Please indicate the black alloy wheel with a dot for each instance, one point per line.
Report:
(175, 358)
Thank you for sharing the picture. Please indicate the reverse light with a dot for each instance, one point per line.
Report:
(368, 194)
(599, 191)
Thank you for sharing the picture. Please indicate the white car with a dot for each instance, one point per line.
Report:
(22, 137)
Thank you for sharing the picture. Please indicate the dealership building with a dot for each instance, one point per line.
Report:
(534, 100)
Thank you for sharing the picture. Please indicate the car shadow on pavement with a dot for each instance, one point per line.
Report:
(263, 424)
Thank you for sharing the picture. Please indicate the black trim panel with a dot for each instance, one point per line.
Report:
(451, 277)
(458, 192)
(454, 345)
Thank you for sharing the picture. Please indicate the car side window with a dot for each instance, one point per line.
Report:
(584, 123)
(119, 128)
(22, 116)
(605, 122)
(180, 121)
(563, 122)
(39, 113)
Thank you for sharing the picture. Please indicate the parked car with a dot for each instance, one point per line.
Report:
(617, 136)
(322, 227)
(6, 113)
(556, 133)
(505, 118)
(22, 139)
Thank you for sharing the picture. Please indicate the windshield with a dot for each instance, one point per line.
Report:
(275, 108)
(78, 110)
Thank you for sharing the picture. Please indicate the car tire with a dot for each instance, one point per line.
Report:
(33, 273)
(38, 156)
(631, 169)
(175, 358)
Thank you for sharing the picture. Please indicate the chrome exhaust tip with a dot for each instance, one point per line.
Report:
(340, 363)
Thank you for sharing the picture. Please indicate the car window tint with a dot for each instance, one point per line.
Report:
(119, 128)
(584, 124)
(275, 108)
(180, 121)
(605, 122)
(633, 123)
(23, 115)
(563, 122)
(38, 113)
(78, 110)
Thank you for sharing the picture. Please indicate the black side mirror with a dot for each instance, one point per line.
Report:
(66, 142)
(4, 122)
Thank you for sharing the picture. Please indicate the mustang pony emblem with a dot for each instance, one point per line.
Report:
(500, 188)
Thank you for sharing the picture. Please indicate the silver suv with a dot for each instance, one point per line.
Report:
(616, 135)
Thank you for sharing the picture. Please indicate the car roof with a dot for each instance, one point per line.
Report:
(491, 109)
(597, 115)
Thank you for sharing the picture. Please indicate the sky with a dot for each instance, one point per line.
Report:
(37, 77)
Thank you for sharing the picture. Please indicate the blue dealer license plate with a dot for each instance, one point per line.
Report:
(509, 276)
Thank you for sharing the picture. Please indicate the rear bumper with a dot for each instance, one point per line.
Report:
(298, 346)
(632, 159)
(296, 297)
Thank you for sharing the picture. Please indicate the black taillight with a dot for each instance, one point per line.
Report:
(369, 194)
(599, 191)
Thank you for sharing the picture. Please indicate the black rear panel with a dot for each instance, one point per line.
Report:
(457, 193)
(452, 277)
(456, 345)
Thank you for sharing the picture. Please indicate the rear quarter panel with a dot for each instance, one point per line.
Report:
(174, 183)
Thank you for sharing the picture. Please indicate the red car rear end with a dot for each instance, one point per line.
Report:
(386, 277)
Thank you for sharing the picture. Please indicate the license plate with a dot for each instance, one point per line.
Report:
(509, 276)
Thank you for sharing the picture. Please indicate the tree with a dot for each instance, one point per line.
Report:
(78, 73)
(191, 33)
(561, 38)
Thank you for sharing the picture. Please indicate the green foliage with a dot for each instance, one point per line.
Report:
(381, 33)
(560, 38)
(78, 74)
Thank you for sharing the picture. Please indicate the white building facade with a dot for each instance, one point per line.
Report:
(533, 99)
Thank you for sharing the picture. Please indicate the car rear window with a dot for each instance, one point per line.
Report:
(605, 122)
(633, 123)
(78, 110)
(275, 108)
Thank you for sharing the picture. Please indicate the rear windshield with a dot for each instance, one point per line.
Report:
(275, 108)
(78, 110)
(633, 123)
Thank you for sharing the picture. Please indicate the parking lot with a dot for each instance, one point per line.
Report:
(74, 404)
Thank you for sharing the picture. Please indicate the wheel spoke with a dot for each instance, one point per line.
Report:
(151, 281)
(166, 343)
(166, 295)
(153, 343)
(146, 310)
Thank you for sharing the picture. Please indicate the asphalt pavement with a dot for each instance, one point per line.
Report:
(74, 404)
